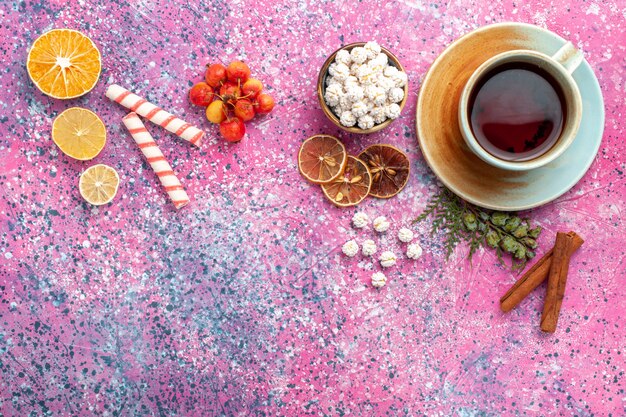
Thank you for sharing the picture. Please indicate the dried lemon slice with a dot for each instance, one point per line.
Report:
(352, 186)
(64, 63)
(389, 167)
(98, 184)
(322, 158)
(79, 133)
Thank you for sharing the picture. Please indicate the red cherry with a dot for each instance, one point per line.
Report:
(237, 71)
(233, 129)
(215, 75)
(201, 94)
(244, 109)
(264, 103)
(252, 87)
(230, 89)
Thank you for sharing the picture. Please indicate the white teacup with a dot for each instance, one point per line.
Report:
(559, 68)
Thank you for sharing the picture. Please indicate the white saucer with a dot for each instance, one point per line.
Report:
(459, 169)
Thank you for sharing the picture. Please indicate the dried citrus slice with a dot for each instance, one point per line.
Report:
(322, 158)
(389, 167)
(98, 184)
(64, 63)
(352, 186)
(79, 133)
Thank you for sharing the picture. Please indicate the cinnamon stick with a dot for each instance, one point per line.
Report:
(556, 282)
(534, 277)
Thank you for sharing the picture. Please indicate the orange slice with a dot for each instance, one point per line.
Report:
(64, 63)
(389, 167)
(322, 158)
(352, 186)
(98, 184)
(79, 133)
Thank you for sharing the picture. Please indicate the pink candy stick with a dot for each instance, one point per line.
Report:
(155, 114)
(156, 159)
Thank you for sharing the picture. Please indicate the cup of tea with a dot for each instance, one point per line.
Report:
(521, 109)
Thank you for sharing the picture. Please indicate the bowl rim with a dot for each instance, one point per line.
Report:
(321, 88)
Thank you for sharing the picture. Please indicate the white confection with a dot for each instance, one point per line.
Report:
(347, 119)
(332, 94)
(360, 220)
(365, 75)
(381, 58)
(343, 57)
(368, 248)
(379, 114)
(385, 83)
(393, 111)
(350, 248)
(395, 95)
(387, 259)
(354, 67)
(377, 67)
(372, 48)
(355, 92)
(345, 102)
(405, 235)
(338, 110)
(351, 80)
(332, 80)
(379, 279)
(339, 71)
(381, 224)
(399, 79)
(359, 109)
(376, 94)
(365, 121)
(391, 71)
(358, 55)
(414, 251)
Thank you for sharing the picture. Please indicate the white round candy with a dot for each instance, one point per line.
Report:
(347, 119)
(366, 122)
(395, 95)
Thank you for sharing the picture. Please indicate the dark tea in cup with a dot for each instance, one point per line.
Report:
(521, 109)
(516, 111)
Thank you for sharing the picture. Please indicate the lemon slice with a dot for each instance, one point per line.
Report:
(64, 63)
(79, 133)
(98, 184)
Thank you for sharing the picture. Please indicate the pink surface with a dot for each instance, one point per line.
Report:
(241, 303)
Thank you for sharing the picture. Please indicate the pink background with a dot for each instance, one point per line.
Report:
(242, 303)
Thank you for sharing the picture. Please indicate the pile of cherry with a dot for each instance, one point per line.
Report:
(231, 98)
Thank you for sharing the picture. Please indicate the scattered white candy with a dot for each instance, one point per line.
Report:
(368, 248)
(414, 251)
(365, 122)
(387, 259)
(376, 94)
(350, 248)
(393, 111)
(360, 220)
(395, 95)
(405, 235)
(366, 75)
(351, 80)
(358, 54)
(347, 119)
(381, 224)
(343, 57)
(379, 279)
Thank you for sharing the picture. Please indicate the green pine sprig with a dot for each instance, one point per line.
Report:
(459, 221)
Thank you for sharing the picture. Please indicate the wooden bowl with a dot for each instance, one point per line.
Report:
(321, 89)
